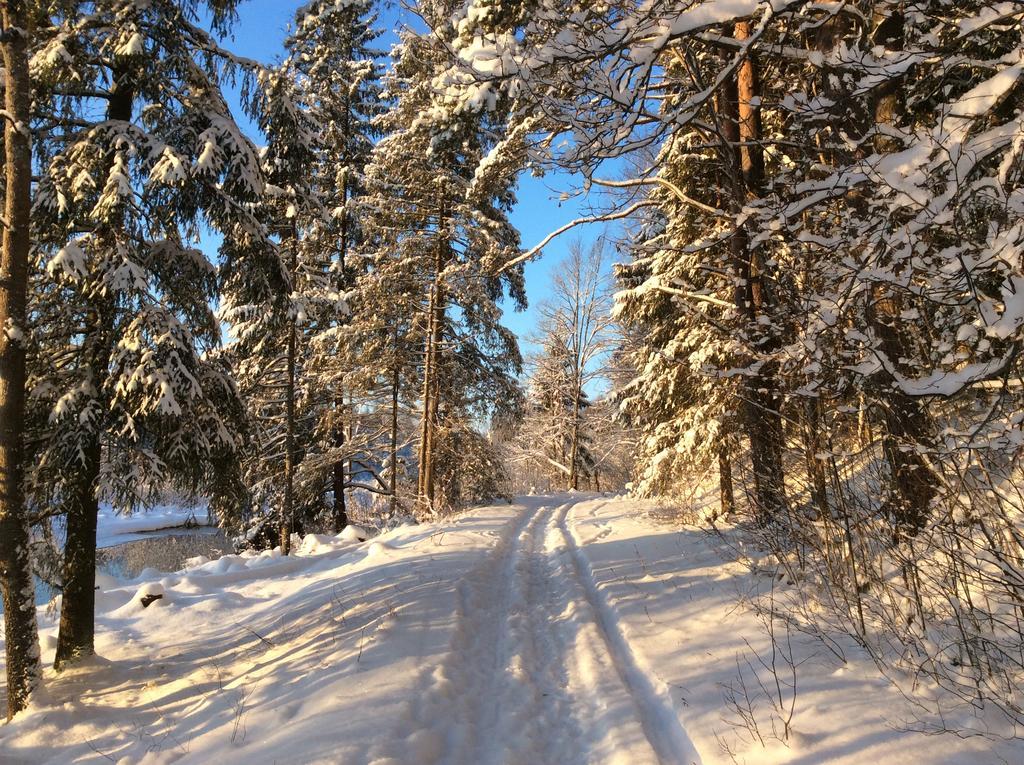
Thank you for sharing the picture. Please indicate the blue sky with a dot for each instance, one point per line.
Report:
(259, 35)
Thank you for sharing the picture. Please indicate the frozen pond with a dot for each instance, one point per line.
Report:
(165, 550)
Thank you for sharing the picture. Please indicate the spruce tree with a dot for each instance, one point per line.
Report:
(273, 288)
(677, 303)
(444, 242)
(331, 52)
(126, 395)
(287, 300)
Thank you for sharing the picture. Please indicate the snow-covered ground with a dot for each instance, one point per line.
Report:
(564, 630)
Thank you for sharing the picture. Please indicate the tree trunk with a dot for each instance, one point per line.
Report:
(761, 412)
(340, 519)
(906, 424)
(75, 637)
(816, 478)
(288, 504)
(434, 416)
(431, 380)
(340, 511)
(577, 382)
(424, 467)
(393, 475)
(20, 630)
(727, 499)
(574, 446)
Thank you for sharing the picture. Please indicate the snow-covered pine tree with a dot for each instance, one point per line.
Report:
(867, 263)
(900, 188)
(626, 84)
(915, 311)
(676, 303)
(274, 292)
(21, 638)
(331, 54)
(137, 153)
(382, 350)
(444, 242)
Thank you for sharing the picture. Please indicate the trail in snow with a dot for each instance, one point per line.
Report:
(554, 631)
(539, 670)
(656, 713)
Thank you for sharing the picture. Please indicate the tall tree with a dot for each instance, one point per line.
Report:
(576, 325)
(677, 302)
(444, 241)
(289, 304)
(20, 631)
(335, 64)
(273, 290)
(126, 397)
(907, 426)
(739, 118)
(621, 88)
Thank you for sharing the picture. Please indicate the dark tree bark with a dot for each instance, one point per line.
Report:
(340, 512)
(396, 380)
(812, 448)
(340, 520)
(20, 630)
(426, 482)
(906, 423)
(288, 502)
(75, 637)
(727, 499)
(762, 420)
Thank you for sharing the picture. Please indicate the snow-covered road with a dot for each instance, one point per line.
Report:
(559, 630)
(539, 670)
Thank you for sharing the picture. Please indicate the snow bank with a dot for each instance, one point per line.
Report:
(352, 533)
(680, 604)
(257, 657)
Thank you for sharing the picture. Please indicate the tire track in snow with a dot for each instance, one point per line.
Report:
(553, 727)
(654, 705)
(537, 670)
(498, 697)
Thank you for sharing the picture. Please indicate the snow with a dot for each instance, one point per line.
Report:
(12, 331)
(353, 533)
(70, 259)
(135, 45)
(559, 629)
(988, 15)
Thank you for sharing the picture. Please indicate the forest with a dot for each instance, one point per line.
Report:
(282, 290)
